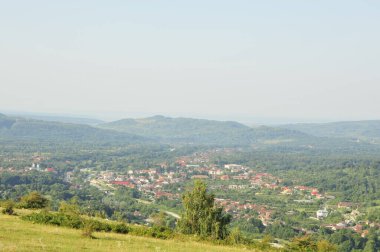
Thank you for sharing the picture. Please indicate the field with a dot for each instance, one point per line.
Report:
(19, 235)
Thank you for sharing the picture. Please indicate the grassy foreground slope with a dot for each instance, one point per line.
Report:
(19, 235)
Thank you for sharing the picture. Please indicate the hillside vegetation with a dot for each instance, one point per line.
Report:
(200, 131)
(17, 128)
(159, 130)
(64, 119)
(18, 235)
(363, 130)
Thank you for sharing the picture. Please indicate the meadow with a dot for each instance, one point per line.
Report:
(19, 235)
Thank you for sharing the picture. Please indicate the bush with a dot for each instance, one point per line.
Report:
(57, 219)
(161, 232)
(88, 229)
(89, 226)
(8, 207)
(155, 231)
(34, 200)
(235, 237)
(120, 228)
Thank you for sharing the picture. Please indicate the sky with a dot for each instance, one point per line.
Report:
(303, 60)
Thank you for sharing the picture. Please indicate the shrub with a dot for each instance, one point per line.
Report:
(88, 229)
(8, 207)
(120, 228)
(100, 226)
(57, 219)
(89, 226)
(235, 237)
(34, 200)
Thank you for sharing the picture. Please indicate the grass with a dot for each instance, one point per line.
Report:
(19, 235)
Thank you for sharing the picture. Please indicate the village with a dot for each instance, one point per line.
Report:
(169, 182)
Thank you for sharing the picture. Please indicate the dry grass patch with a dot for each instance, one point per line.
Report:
(18, 235)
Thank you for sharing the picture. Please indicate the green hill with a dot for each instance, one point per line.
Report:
(64, 119)
(362, 130)
(18, 235)
(18, 128)
(200, 131)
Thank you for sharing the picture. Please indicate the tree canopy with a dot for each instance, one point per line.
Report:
(201, 216)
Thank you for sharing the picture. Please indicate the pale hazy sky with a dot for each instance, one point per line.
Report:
(276, 59)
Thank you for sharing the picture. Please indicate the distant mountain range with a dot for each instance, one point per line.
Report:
(166, 130)
(19, 128)
(59, 118)
(200, 131)
(368, 131)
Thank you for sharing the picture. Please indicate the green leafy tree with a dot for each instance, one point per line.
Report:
(235, 237)
(201, 216)
(158, 219)
(69, 208)
(326, 246)
(372, 242)
(304, 243)
(34, 200)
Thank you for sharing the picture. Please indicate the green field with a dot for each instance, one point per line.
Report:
(19, 235)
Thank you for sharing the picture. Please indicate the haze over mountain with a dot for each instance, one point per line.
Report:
(362, 130)
(200, 131)
(166, 130)
(59, 118)
(153, 129)
(19, 128)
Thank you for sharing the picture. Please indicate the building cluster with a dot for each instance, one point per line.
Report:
(239, 210)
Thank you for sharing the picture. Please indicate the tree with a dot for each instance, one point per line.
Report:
(69, 208)
(304, 243)
(235, 237)
(325, 246)
(158, 219)
(201, 216)
(265, 242)
(372, 242)
(34, 200)
(253, 225)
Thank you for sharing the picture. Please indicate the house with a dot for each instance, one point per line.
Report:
(192, 166)
(302, 188)
(365, 233)
(234, 167)
(358, 228)
(123, 183)
(340, 225)
(314, 192)
(240, 177)
(237, 187)
(322, 213)
(199, 177)
(215, 172)
(287, 191)
(346, 205)
(224, 177)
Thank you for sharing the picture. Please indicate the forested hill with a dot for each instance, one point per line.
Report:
(160, 129)
(18, 128)
(64, 119)
(363, 130)
(201, 131)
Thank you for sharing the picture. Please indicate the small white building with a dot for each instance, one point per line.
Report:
(322, 213)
